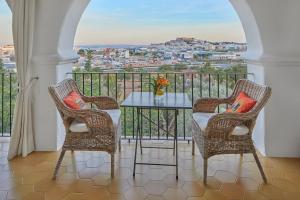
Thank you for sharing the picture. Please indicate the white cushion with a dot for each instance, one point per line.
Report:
(80, 127)
(202, 119)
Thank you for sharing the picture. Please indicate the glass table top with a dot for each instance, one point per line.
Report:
(147, 100)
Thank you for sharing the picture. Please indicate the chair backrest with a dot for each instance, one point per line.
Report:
(260, 93)
(59, 91)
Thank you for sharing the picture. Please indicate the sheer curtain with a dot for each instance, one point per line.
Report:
(22, 139)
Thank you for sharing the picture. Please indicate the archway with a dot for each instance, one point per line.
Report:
(255, 51)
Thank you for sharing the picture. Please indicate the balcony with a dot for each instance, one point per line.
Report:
(272, 59)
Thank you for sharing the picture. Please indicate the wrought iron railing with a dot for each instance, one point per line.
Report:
(8, 92)
(119, 86)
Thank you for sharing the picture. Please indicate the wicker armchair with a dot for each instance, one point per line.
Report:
(227, 133)
(88, 129)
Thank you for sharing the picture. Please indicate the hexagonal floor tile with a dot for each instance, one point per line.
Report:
(232, 190)
(193, 188)
(225, 176)
(118, 186)
(138, 180)
(174, 194)
(155, 187)
(135, 193)
(156, 174)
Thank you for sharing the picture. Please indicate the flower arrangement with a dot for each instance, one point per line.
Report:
(158, 84)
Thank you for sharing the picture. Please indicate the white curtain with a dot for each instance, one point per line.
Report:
(22, 139)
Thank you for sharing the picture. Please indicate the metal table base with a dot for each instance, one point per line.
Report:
(138, 139)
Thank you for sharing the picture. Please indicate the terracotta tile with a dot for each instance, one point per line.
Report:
(155, 187)
(193, 188)
(195, 198)
(95, 162)
(271, 191)
(118, 186)
(35, 196)
(172, 182)
(123, 173)
(248, 183)
(154, 197)
(232, 191)
(255, 196)
(156, 174)
(117, 197)
(86, 176)
(75, 196)
(138, 180)
(135, 193)
(225, 177)
(10, 182)
(57, 192)
(214, 195)
(98, 193)
(189, 175)
(19, 191)
(3, 195)
(102, 179)
(174, 194)
(213, 183)
(89, 172)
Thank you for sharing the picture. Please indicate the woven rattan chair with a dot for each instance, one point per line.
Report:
(227, 133)
(88, 129)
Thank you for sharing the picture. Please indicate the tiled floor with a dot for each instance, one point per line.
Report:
(85, 175)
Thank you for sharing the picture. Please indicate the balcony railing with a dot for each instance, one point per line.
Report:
(8, 93)
(119, 86)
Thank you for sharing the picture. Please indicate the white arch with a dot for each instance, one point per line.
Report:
(253, 38)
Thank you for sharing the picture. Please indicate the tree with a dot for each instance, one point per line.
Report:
(81, 52)
(1, 65)
(165, 68)
(179, 67)
(88, 62)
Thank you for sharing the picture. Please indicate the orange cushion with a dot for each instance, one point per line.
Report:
(74, 101)
(242, 104)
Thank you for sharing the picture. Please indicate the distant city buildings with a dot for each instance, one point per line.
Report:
(188, 51)
(7, 54)
(183, 50)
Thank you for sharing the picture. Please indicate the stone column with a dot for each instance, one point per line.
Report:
(272, 32)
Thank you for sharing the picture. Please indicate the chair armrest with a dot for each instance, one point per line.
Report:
(209, 105)
(224, 123)
(102, 102)
(94, 119)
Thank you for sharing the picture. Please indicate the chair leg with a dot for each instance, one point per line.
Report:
(205, 171)
(120, 145)
(58, 163)
(260, 167)
(112, 165)
(193, 147)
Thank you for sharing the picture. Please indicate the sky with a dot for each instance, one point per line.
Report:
(148, 21)
(5, 24)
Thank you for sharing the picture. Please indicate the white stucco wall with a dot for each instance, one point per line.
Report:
(53, 57)
(272, 32)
